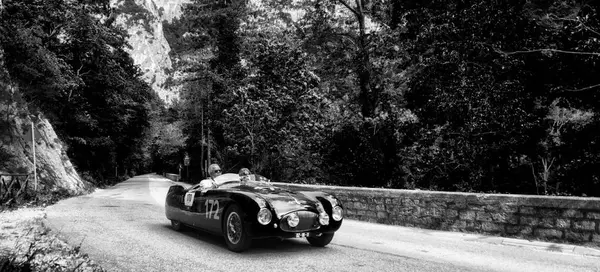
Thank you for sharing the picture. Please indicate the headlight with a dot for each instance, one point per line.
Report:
(324, 219)
(293, 220)
(264, 216)
(337, 213)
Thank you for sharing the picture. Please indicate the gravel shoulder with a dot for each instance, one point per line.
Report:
(26, 244)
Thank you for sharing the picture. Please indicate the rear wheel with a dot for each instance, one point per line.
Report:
(235, 229)
(176, 225)
(320, 241)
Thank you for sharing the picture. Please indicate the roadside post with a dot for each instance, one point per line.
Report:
(186, 162)
(180, 167)
(34, 163)
(30, 136)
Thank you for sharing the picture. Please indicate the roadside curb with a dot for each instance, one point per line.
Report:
(545, 246)
(566, 248)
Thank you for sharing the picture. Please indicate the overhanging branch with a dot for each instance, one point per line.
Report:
(584, 89)
(545, 50)
(349, 7)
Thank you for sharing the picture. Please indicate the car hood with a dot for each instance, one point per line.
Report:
(284, 201)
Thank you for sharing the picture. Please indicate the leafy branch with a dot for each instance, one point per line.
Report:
(343, 2)
(584, 89)
(544, 50)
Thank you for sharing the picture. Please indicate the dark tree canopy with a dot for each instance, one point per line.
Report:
(482, 96)
(74, 68)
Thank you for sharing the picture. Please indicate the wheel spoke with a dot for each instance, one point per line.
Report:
(234, 231)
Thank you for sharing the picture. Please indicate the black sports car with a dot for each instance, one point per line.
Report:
(242, 209)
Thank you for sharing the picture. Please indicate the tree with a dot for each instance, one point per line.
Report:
(213, 48)
(75, 69)
(468, 137)
(277, 122)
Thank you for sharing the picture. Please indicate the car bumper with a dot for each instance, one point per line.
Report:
(272, 230)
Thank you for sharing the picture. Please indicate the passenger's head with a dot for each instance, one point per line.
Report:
(244, 172)
(244, 175)
(214, 170)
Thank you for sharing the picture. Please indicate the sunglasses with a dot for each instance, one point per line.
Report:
(219, 170)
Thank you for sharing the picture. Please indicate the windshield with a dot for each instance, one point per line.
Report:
(234, 179)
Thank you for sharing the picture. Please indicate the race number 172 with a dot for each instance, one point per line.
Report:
(212, 212)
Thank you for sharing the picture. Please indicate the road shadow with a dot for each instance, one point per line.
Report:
(259, 247)
(201, 236)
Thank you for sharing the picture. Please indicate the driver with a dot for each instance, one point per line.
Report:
(214, 170)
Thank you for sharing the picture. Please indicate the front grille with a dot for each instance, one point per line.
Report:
(308, 221)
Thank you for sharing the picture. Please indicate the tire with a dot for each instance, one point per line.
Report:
(176, 225)
(320, 241)
(235, 229)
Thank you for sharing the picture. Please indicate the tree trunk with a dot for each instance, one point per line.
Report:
(368, 99)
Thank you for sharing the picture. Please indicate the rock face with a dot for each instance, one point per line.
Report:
(54, 169)
(149, 48)
(150, 51)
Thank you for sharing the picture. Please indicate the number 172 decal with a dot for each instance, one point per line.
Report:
(214, 208)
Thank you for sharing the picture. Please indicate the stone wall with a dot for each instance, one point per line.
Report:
(561, 219)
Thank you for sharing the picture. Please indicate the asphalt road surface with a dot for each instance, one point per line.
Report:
(124, 228)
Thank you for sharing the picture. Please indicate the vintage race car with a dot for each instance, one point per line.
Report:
(243, 209)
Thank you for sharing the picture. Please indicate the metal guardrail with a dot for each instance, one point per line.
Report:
(173, 177)
(17, 182)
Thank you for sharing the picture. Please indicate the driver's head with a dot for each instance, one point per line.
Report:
(214, 170)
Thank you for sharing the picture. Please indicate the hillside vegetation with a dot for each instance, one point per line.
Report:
(481, 96)
(476, 96)
(69, 63)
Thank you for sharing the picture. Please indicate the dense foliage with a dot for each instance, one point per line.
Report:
(506, 94)
(448, 95)
(70, 63)
(484, 96)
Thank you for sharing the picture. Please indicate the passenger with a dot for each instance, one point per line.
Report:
(244, 175)
(244, 172)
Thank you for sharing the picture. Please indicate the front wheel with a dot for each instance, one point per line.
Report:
(320, 241)
(235, 230)
(176, 225)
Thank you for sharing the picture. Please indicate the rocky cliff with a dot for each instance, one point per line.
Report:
(54, 169)
(143, 20)
(149, 48)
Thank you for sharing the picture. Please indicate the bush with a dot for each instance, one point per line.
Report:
(358, 157)
(30, 198)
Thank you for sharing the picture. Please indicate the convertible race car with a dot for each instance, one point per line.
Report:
(251, 207)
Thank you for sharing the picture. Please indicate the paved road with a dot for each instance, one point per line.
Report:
(124, 229)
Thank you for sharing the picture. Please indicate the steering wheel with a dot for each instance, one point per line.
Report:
(195, 187)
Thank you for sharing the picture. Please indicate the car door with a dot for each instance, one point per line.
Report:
(210, 210)
(190, 207)
(205, 209)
